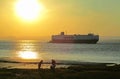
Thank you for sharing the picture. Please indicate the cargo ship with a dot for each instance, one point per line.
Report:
(75, 38)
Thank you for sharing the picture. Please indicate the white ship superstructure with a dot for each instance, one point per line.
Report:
(76, 38)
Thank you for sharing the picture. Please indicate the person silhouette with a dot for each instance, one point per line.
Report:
(39, 64)
(53, 65)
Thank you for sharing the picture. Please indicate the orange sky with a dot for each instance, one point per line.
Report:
(72, 16)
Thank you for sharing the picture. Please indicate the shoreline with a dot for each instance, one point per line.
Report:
(46, 65)
(71, 72)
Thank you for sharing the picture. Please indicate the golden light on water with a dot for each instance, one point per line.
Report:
(28, 10)
(28, 50)
(27, 55)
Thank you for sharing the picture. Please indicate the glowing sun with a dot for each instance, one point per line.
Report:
(27, 55)
(28, 10)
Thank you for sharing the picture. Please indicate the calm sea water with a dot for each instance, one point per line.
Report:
(33, 51)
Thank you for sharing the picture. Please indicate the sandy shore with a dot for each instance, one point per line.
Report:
(98, 71)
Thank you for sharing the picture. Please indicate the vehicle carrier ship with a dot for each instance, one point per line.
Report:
(76, 38)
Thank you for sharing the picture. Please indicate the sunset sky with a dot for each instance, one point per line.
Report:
(72, 16)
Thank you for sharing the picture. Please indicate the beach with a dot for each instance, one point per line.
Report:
(83, 71)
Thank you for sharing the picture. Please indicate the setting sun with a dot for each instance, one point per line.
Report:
(27, 55)
(28, 10)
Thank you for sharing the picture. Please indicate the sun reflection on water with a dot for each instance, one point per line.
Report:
(27, 55)
(27, 50)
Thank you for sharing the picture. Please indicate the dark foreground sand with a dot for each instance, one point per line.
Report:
(72, 72)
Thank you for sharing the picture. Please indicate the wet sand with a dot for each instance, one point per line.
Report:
(83, 71)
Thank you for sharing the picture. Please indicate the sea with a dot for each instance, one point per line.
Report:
(27, 53)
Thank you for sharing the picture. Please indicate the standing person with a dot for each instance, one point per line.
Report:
(53, 65)
(39, 64)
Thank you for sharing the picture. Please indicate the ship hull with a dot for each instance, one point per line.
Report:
(75, 41)
(62, 38)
